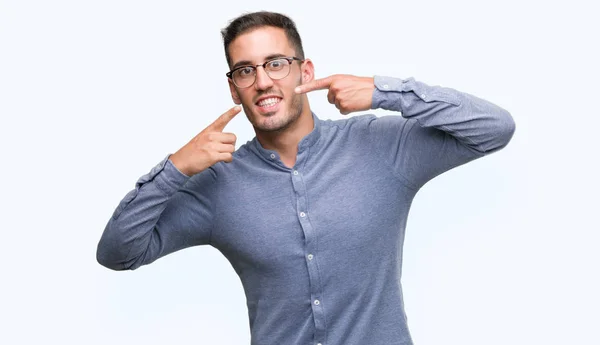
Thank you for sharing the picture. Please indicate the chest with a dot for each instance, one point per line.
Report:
(272, 218)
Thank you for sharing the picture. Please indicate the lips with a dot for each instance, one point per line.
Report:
(268, 100)
(268, 104)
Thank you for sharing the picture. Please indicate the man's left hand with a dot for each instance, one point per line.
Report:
(349, 93)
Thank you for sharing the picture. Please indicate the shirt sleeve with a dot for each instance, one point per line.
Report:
(440, 128)
(165, 212)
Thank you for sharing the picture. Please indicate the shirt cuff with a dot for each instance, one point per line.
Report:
(168, 178)
(385, 94)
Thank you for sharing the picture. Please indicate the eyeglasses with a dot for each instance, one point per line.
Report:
(278, 68)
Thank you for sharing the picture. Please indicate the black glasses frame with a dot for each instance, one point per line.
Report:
(290, 59)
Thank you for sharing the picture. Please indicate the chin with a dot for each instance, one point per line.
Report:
(274, 122)
(271, 124)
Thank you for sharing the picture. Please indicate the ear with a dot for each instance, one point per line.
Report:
(308, 71)
(234, 94)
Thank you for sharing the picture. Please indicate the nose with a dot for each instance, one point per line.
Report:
(263, 81)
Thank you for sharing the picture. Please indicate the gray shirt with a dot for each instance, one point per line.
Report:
(318, 247)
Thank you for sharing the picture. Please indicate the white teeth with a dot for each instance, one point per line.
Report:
(269, 101)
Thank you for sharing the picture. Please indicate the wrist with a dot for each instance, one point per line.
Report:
(179, 165)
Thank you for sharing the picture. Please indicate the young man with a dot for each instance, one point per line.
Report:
(310, 213)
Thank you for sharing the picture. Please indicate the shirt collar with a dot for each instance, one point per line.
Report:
(309, 140)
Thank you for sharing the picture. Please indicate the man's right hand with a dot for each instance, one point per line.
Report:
(208, 147)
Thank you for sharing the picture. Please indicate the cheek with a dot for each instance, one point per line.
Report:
(245, 97)
(288, 88)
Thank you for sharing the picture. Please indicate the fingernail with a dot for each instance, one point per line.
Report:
(297, 89)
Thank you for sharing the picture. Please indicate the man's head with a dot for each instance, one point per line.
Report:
(266, 92)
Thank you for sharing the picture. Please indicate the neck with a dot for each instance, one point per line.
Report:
(285, 141)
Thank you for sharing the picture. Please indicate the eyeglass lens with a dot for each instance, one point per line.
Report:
(276, 69)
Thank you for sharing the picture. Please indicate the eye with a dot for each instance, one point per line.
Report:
(245, 71)
(276, 64)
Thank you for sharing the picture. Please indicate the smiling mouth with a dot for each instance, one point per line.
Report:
(268, 102)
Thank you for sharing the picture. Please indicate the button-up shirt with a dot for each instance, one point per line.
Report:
(318, 246)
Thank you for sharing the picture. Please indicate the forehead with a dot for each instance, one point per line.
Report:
(254, 46)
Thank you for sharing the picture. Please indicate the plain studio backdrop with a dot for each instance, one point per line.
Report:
(93, 94)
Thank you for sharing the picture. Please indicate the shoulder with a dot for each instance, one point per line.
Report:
(243, 158)
(366, 124)
(347, 124)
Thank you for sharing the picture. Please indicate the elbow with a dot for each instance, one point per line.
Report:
(113, 253)
(117, 263)
(116, 256)
(115, 248)
(106, 259)
(503, 131)
(506, 128)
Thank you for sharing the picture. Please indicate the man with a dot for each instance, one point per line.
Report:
(310, 213)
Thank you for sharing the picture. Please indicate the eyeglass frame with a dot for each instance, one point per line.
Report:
(290, 60)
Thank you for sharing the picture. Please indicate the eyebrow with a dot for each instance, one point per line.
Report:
(246, 62)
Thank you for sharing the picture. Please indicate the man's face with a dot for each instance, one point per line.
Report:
(269, 104)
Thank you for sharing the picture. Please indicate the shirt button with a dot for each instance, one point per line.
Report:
(317, 302)
(423, 95)
(319, 344)
(273, 155)
(295, 172)
(302, 214)
(386, 86)
(310, 256)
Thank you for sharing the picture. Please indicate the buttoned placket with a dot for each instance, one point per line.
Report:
(303, 214)
(310, 249)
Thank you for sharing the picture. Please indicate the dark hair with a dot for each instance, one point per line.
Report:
(255, 20)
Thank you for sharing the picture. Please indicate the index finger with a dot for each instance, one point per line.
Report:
(316, 84)
(224, 119)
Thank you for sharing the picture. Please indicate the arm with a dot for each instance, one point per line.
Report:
(440, 128)
(168, 210)
(165, 212)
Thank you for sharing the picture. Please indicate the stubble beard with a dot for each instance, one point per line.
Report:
(284, 121)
